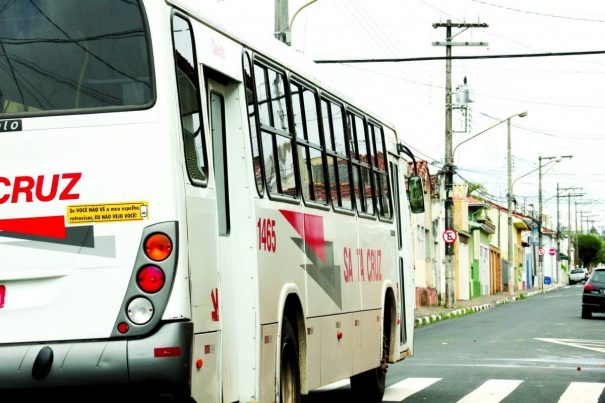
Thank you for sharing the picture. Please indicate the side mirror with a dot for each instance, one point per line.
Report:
(416, 194)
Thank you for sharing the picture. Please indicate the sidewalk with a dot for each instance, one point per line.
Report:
(429, 314)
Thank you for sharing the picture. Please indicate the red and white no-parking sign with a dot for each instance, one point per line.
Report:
(449, 236)
(541, 251)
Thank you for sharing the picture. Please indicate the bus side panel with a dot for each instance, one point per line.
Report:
(280, 254)
(205, 379)
(333, 288)
(202, 251)
(377, 257)
(267, 370)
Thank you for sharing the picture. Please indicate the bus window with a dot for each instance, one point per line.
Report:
(338, 163)
(360, 161)
(254, 137)
(276, 144)
(61, 56)
(379, 167)
(189, 99)
(310, 158)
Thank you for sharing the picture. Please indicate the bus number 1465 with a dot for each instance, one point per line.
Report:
(267, 238)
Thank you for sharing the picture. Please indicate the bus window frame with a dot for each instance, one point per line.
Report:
(386, 172)
(303, 141)
(261, 190)
(205, 173)
(333, 100)
(353, 139)
(273, 131)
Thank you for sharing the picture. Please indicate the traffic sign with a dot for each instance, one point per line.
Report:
(449, 236)
(541, 251)
(552, 251)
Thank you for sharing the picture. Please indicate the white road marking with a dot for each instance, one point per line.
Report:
(406, 388)
(594, 345)
(492, 391)
(582, 392)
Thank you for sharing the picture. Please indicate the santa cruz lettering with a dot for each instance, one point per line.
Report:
(42, 188)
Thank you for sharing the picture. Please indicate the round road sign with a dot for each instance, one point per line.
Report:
(449, 236)
(541, 251)
(552, 251)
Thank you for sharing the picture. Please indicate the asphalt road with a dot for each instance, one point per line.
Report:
(533, 350)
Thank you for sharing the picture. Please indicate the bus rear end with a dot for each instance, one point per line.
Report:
(88, 205)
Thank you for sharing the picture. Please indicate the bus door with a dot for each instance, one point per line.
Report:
(233, 214)
(398, 168)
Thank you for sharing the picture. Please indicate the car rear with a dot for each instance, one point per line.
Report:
(576, 275)
(593, 297)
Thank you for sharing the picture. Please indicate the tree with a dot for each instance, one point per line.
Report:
(475, 187)
(588, 249)
(601, 256)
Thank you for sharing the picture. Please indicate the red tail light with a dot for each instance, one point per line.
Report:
(588, 287)
(151, 279)
(158, 246)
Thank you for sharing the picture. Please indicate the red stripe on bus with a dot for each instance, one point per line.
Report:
(311, 229)
(51, 226)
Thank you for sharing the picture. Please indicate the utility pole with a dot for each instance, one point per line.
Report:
(281, 28)
(569, 195)
(448, 169)
(512, 272)
(541, 257)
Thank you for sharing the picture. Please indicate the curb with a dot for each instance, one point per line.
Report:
(426, 320)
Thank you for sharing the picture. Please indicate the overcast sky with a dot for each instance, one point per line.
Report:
(563, 96)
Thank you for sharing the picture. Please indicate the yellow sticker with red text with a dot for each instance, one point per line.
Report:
(107, 212)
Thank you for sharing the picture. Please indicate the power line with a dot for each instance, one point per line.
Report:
(566, 17)
(475, 57)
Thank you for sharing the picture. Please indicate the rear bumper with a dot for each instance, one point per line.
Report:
(594, 303)
(108, 362)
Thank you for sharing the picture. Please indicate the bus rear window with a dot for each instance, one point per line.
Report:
(64, 56)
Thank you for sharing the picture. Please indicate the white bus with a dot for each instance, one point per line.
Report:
(187, 212)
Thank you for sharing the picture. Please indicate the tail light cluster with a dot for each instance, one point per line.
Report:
(588, 287)
(151, 280)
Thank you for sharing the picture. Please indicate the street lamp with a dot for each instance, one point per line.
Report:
(540, 256)
(283, 28)
(511, 268)
(510, 196)
(569, 195)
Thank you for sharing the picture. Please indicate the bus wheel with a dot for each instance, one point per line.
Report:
(289, 374)
(368, 387)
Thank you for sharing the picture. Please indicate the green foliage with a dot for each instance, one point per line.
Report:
(601, 255)
(589, 247)
(564, 267)
(475, 187)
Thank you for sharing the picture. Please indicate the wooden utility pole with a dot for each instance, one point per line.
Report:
(448, 168)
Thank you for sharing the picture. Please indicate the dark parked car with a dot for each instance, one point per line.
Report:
(593, 298)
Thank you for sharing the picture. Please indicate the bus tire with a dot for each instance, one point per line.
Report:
(289, 372)
(369, 386)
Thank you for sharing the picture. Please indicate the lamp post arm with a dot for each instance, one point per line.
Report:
(532, 171)
(522, 114)
(299, 10)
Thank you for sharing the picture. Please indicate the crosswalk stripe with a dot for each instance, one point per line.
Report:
(493, 390)
(406, 388)
(582, 392)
